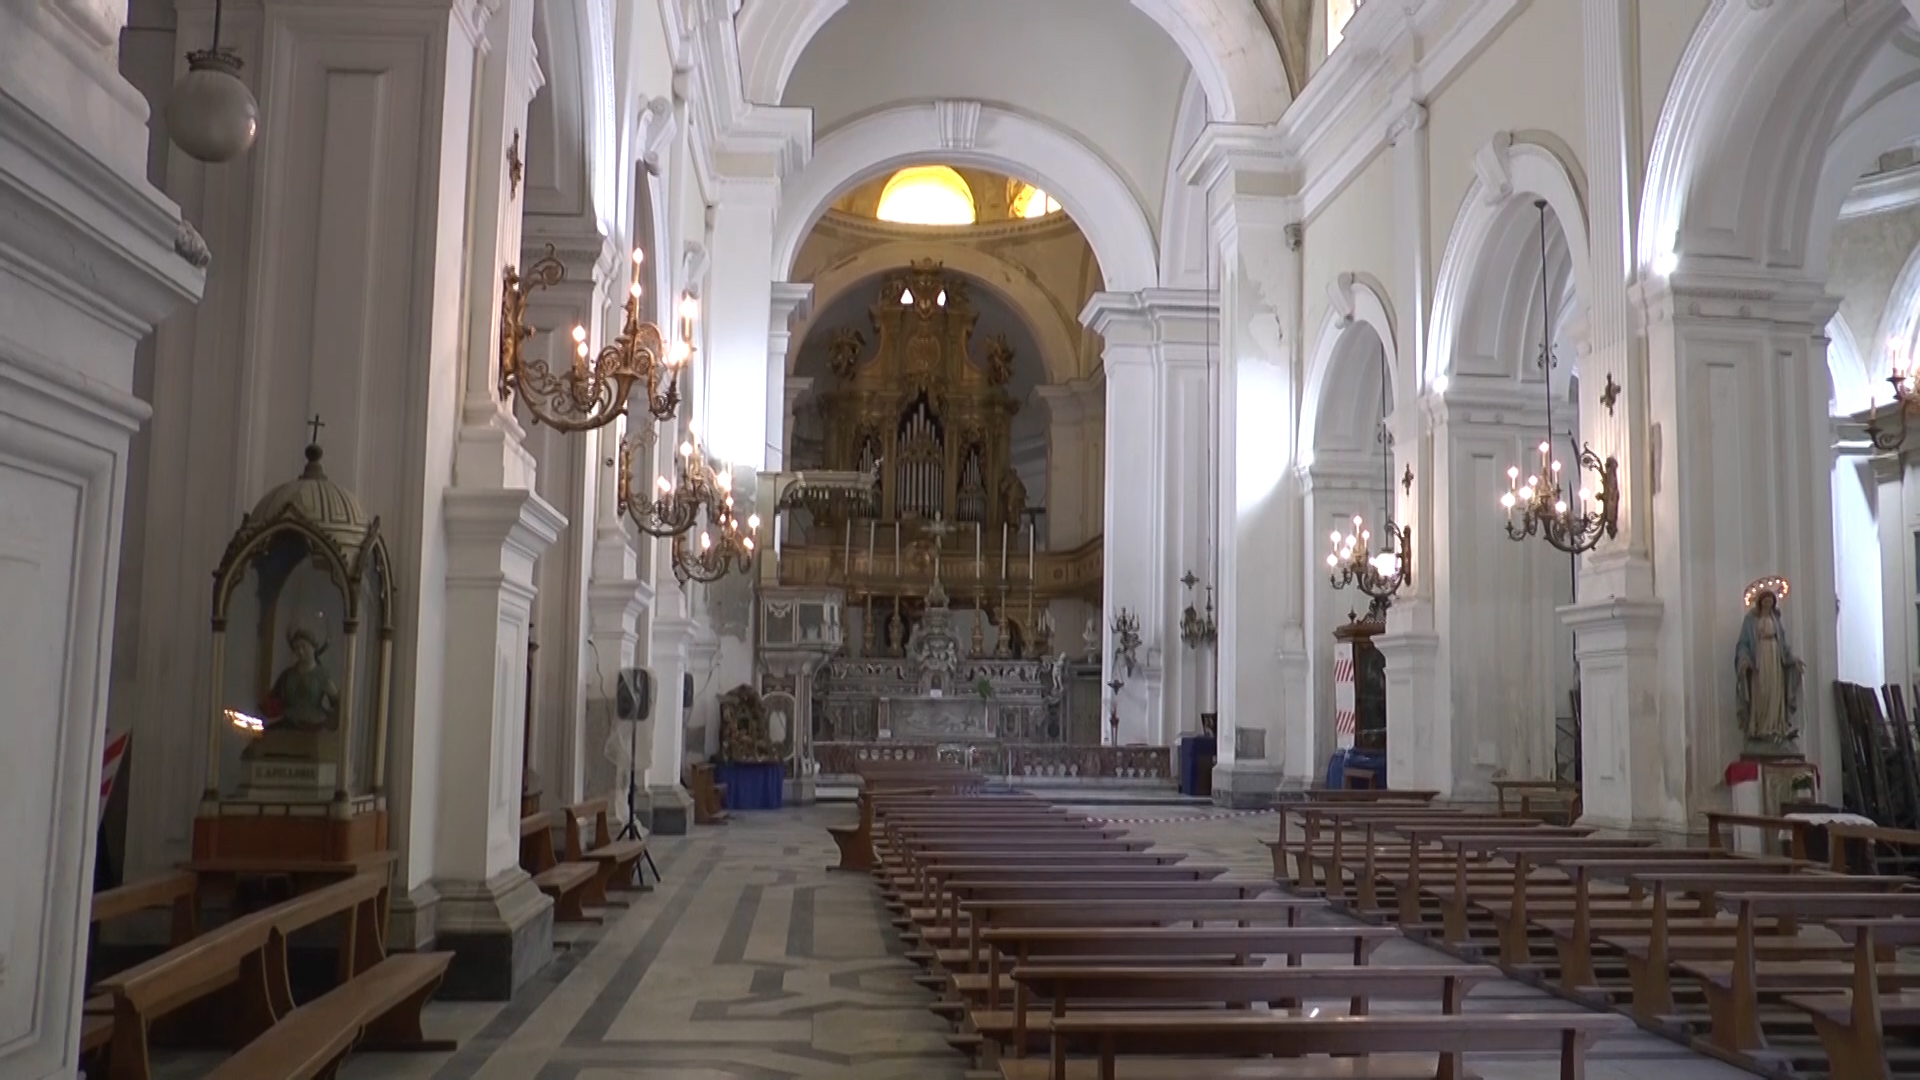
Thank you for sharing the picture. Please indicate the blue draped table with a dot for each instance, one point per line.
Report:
(751, 785)
(1196, 764)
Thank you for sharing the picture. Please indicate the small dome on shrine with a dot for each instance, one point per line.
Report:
(329, 507)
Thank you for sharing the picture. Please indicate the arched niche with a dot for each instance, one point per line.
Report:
(570, 157)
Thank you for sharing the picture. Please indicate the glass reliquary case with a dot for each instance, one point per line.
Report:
(302, 646)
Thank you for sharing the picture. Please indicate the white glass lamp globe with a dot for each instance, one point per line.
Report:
(211, 115)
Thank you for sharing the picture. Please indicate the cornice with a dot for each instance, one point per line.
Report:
(1703, 290)
(1882, 194)
(1150, 316)
(734, 138)
(872, 229)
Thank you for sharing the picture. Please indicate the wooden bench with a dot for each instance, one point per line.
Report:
(1544, 799)
(1721, 832)
(376, 1005)
(570, 884)
(1260, 1034)
(590, 840)
(1734, 987)
(1852, 1024)
(178, 893)
(987, 915)
(242, 966)
(1061, 990)
(709, 797)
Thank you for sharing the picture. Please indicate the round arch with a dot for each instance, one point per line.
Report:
(1226, 42)
(1009, 282)
(1357, 300)
(572, 155)
(1716, 188)
(1511, 172)
(1094, 195)
(1847, 364)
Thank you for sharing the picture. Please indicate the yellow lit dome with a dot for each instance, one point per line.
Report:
(1031, 202)
(927, 195)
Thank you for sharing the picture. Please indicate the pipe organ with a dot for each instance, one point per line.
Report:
(926, 408)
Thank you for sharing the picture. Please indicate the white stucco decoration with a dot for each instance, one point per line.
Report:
(1184, 231)
(1226, 41)
(1534, 172)
(1764, 131)
(1007, 281)
(1353, 299)
(1099, 201)
(1854, 383)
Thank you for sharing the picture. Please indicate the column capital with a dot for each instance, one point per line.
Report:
(792, 302)
(1487, 402)
(1699, 291)
(1613, 625)
(1230, 159)
(1152, 317)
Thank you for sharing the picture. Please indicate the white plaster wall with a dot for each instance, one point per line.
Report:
(1861, 611)
(1666, 26)
(1353, 234)
(1008, 51)
(1526, 79)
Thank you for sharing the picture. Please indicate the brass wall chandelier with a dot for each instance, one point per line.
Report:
(1352, 561)
(1906, 401)
(1541, 502)
(727, 544)
(673, 507)
(593, 390)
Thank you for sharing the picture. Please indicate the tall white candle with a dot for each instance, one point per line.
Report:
(1003, 551)
(976, 549)
(846, 548)
(872, 526)
(1030, 543)
(896, 551)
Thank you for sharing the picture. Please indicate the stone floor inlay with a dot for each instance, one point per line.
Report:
(753, 962)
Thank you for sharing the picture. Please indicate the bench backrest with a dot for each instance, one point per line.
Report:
(1065, 983)
(588, 828)
(177, 891)
(536, 841)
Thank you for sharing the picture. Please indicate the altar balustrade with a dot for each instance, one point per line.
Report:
(839, 761)
(866, 570)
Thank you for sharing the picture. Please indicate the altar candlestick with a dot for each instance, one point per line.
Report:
(1003, 551)
(846, 550)
(976, 550)
(1030, 542)
(896, 551)
(872, 525)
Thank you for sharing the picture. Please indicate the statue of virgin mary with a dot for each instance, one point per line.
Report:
(1766, 673)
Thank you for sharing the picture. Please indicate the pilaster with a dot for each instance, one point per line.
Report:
(1743, 490)
(1334, 489)
(1159, 499)
(497, 923)
(737, 395)
(1627, 754)
(95, 257)
(790, 304)
(1075, 460)
(670, 808)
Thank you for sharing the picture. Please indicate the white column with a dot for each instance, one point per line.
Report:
(790, 304)
(797, 390)
(670, 807)
(1616, 616)
(1411, 645)
(95, 260)
(1334, 488)
(1262, 649)
(733, 417)
(565, 751)
(1743, 489)
(1157, 507)
(1896, 532)
(490, 913)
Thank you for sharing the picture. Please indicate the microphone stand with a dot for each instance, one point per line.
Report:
(631, 830)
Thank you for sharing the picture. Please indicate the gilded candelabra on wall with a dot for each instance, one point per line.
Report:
(594, 389)
(675, 505)
(1197, 629)
(1905, 380)
(1126, 639)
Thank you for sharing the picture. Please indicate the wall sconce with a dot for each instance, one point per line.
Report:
(1197, 629)
(1126, 639)
(590, 393)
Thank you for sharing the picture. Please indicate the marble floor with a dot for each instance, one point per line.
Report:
(752, 962)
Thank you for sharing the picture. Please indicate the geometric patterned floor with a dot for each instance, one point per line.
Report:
(752, 962)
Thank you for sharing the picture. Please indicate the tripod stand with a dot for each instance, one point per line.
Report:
(631, 830)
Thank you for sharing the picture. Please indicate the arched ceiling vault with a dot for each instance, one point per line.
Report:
(1229, 44)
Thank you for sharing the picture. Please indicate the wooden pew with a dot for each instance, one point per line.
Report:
(1853, 1023)
(985, 915)
(1062, 990)
(568, 883)
(1734, 987)
(1259, 1034)
(590, 840)
(709, 797)
(244, 964)
(1720, 836)
(178, 893)
(1543, 799)
(376, 1005)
